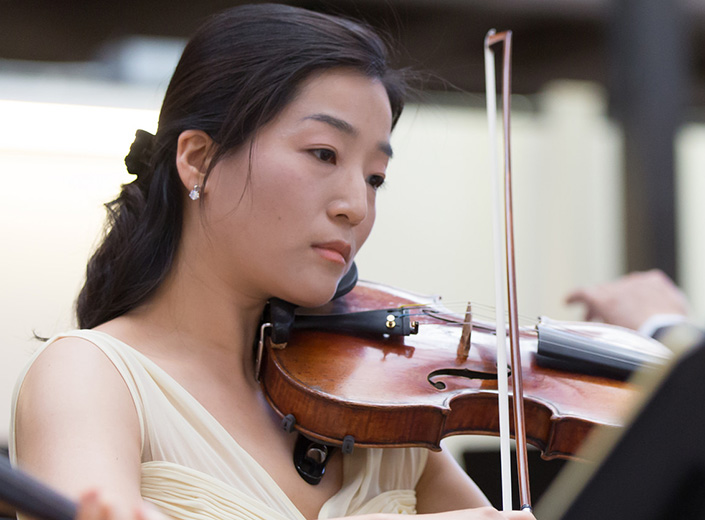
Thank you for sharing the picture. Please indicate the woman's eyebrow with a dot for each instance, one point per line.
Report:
(386, 148)
(335, 122)
(349, 129)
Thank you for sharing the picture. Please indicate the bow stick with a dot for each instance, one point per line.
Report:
(28, 495)
(491, 39)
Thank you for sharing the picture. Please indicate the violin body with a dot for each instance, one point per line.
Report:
(415, 390)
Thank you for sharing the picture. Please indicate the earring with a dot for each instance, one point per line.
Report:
(195, 193)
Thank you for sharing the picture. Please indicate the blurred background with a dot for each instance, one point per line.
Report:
(608, 144)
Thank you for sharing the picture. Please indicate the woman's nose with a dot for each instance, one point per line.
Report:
(351, 201)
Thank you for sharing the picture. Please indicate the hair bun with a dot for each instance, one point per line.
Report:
(139, 160)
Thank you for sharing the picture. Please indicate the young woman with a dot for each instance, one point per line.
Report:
(260, 182)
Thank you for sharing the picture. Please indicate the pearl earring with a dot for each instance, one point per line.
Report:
(195, 193)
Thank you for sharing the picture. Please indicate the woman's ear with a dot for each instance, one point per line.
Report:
(193, 153)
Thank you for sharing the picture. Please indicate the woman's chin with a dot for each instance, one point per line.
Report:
(314, 297)
(312, 303)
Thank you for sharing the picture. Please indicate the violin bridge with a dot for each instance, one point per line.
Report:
(464, 344)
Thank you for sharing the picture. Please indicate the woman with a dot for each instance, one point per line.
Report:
(260, 182)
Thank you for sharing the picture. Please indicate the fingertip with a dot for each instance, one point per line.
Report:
(147, 511)
(577, 296)
(89, 506)
(89, 496)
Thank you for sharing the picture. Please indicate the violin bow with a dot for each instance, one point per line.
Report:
(28, 495)
(491, 39)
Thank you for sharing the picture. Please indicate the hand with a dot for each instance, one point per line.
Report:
(479, 513)
(93, 506)
(483, 513)
(489, 512)
(631, 300)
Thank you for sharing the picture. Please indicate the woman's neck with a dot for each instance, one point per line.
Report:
(194, 315)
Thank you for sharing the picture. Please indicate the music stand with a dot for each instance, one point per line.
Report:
(656, 468)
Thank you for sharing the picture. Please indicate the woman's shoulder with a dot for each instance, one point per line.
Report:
(79, 366)
(84, 353)
(71, 368)
(71, 395)
(67, 346)
(71, 389)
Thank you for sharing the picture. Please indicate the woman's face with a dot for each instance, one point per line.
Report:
(292, 230)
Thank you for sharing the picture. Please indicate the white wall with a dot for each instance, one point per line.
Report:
(434, 229)
(59, 163)
(690, 192)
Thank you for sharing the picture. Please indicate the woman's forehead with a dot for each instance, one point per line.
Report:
(343, 97)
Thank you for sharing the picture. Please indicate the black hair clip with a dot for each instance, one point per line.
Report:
(139, 160)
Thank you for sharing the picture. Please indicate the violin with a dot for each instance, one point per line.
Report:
(417, 387)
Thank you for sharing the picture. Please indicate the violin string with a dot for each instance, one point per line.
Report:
(481, 309)
(451, 317)
(480, 324)
(447, 315)
(460, 306)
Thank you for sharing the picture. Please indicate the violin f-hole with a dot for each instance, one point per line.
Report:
(458, 372)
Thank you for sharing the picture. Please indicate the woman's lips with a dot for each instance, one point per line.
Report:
(336, 251)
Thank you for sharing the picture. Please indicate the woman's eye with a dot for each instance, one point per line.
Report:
(375, 181)
(325, 155)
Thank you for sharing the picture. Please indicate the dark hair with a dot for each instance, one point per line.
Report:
(240, 69)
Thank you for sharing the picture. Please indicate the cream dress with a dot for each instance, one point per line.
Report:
(193, 469)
